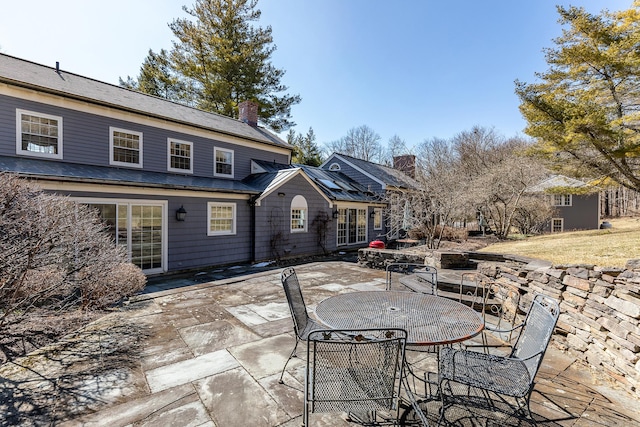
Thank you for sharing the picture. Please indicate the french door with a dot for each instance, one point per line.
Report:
(352, 226)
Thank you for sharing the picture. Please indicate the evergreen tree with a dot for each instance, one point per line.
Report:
(157, 77)
(584, 112)
(219, 60)
(306, 151)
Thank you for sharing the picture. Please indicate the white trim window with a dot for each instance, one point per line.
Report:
(377, 219)
(125, 147)
(334, 167)
(222, 162)
(557, 225)
(299, 214)
(179, 156)
(38, 134)
(221, 218)
(561, 200)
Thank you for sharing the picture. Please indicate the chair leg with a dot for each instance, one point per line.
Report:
(293, 354)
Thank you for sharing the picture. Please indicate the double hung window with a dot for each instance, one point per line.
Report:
(125, 147)
(223, 162)
(221, 218)
(561, 200)
(38, 134)
(180, 156)
(298, 214)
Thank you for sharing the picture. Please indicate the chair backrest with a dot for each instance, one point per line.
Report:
(298, 308)
(354, 370)
(536, 333)
(398, 269)
(502, 305)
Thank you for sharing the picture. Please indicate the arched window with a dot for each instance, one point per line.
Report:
(299, 214)
(334, 167)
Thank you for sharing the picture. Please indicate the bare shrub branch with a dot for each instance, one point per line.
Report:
(55, 255)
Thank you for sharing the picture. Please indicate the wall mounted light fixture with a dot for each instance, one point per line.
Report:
(372, 214)
(181, 214)
(281, 194)
(335, 214)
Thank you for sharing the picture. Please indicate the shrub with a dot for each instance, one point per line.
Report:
(454, 234)
(56, 255)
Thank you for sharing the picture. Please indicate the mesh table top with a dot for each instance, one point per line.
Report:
(428, 319)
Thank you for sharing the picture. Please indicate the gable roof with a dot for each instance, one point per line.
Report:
(269, 182)
(335, 186)
(557, 181)
(385, 175)
(19, 72)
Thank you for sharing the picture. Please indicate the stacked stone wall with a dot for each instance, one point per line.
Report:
(600, 307)
(599, 311)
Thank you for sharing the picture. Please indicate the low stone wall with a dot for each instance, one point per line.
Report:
(599, 311)
(600, 307)
(380, 258)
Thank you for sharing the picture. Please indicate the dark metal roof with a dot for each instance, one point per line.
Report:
(343, 189)
(72, 172)
(389, 176)
(24, 73)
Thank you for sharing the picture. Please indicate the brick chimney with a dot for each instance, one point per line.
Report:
(248, 113)
(406, 164)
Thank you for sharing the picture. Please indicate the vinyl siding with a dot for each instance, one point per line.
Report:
(86, 140)
(583, 214)
(273, 218)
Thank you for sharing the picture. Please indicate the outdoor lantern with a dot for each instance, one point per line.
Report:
(181, 214)
(372, 214)
(335, 214)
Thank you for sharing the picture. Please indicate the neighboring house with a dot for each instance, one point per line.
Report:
(378, 179)
(180, 188)
(576, 207)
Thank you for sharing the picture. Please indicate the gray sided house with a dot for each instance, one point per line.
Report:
(140, 160)
(576, 206)
(378, 179)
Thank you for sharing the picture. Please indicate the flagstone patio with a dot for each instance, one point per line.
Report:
(210, 354)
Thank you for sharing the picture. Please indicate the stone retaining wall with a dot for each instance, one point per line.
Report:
(600, 307)
(599, 311)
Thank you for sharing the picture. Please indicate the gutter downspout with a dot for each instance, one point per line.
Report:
(252, 226)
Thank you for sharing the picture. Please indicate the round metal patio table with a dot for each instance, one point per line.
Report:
(428, 319)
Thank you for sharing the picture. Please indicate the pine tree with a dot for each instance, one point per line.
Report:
(306, 151)
(584, 112)
(219, 60)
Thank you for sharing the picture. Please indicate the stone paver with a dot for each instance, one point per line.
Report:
(210, 354)
(190, 370)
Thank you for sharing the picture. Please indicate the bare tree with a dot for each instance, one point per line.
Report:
(55, 255)
(437, 201)
(498, 174)
(395, 147)
(477, 173)
(361, 142)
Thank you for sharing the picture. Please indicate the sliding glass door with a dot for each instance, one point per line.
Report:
(140, 228)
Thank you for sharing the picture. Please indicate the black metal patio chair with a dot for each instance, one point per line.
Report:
(302, 323)
(359, 372)
(412, 276)
(495, 382)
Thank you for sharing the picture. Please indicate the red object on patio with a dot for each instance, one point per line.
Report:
(377, 244)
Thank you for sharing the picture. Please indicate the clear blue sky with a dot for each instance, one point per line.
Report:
(414, 68)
